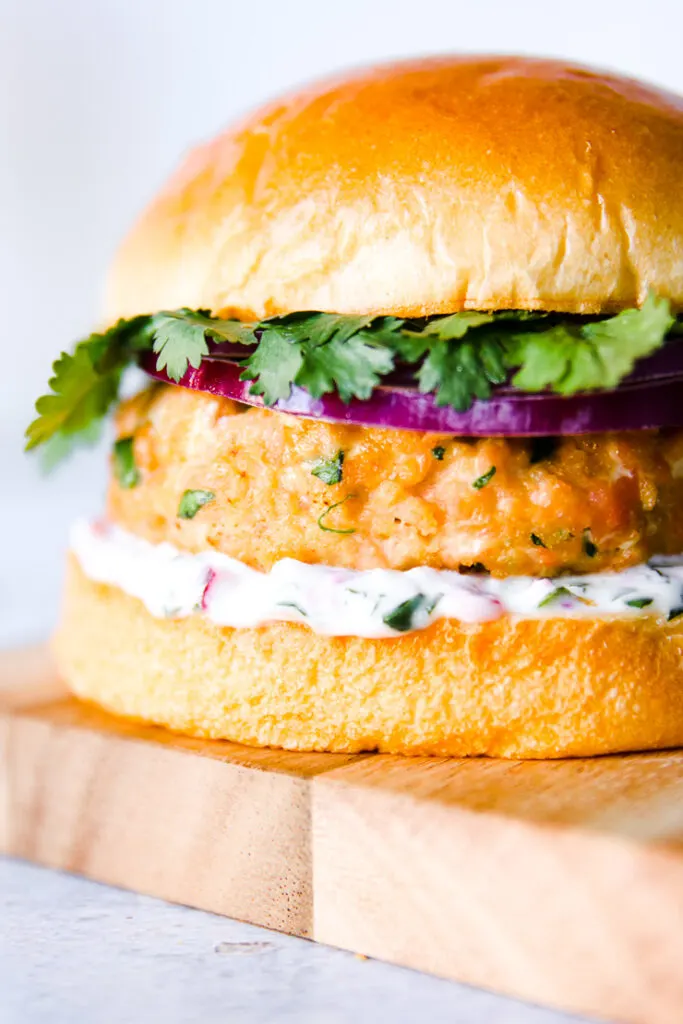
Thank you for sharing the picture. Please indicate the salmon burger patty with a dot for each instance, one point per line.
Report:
(360, 497)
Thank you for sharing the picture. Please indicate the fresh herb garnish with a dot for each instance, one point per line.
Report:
(323, 515)
(535, 539)
(542, 448)
(590, 547)
(192, 501)
(85, 383)
(402, 617)
(458, 357)
(459, 372)
(125, 470)
(571, 357)
(321, 352)
(554, 595)
(329, 470)
(482, 480)
(639, 602)
(674, 613)
(438, 452)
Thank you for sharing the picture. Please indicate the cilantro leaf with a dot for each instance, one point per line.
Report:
(557, 594)
(191, 502)
(623, 339)
(327, 352)
(459, 373)
(482, 480)
(125, 468)
(352, 367)
(234, 332)
(320, 328)
(403, 617)
(457, 370)
(179, 341)
(273, 365)
(414, 342)
(79, 395)
(589, 546)
(85, 384)
(639, 602)
(329, 470)
(583, 357)
(180, 338)
(330, 508)
(453, 327)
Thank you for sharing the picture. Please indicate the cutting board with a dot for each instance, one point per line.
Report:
(559, 882)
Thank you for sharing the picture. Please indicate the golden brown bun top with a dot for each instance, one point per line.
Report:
(424, 187)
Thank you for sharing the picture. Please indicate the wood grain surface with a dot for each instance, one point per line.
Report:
(560, 882)
(209, 824)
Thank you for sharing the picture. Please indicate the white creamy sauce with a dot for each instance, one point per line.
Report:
(346, 602)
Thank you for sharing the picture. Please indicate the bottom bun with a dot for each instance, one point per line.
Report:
(511, 688)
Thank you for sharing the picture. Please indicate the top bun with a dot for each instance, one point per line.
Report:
(424, 187)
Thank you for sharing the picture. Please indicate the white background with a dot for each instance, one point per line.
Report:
(97, 100)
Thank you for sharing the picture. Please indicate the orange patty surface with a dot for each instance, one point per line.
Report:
(508, 506)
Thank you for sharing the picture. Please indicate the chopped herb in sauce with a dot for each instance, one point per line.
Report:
(292, 604)
(553, 596)
(675, 613)
(542, 448)
(323, 515)
(438, 452)
(482, 480)
(535, 539)
(403, 616)
(639, 602)
(192, 501)
(125, 470)
(329, 470)
(589, 547)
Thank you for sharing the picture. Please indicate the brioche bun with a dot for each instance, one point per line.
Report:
(419, 188)
(511, 688)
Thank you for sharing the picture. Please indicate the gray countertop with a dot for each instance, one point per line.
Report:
(74, 952)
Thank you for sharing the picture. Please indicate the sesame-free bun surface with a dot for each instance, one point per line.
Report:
(511, 688)
(423, 187)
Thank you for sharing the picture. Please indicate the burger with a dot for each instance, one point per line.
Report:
(408, 472)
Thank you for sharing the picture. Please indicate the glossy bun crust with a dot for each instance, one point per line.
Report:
(423, 187)
(524, 688)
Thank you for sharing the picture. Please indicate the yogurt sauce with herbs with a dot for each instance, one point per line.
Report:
(372, 603)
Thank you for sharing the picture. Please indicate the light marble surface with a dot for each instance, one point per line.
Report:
(74, 952)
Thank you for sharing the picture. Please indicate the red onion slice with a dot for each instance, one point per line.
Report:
(640, 403)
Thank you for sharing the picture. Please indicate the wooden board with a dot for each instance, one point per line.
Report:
(558, 882)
